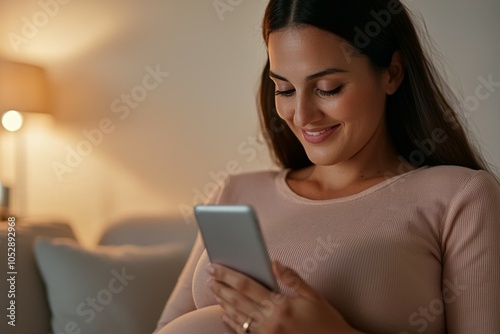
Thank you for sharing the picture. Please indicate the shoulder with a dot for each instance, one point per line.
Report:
(454, 175)
(254, 180)
(455, 180)
(246, 185)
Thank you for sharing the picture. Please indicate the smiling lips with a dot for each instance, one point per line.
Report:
(319, 136)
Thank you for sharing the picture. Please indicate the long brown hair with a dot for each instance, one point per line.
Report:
(419, 111)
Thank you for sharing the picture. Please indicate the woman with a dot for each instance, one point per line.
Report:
(383, 219)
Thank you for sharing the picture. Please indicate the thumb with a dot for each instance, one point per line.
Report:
(290, 278)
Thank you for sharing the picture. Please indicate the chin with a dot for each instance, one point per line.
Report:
(324, 159)
(326, 154)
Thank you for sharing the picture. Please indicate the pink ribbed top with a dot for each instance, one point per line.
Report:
(416, 253)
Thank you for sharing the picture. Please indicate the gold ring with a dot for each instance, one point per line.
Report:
(246, 325)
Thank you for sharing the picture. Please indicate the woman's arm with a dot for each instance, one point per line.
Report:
(471, 258)
(181, 300)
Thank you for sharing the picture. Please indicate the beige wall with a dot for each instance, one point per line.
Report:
(467, 34)
(160, 151)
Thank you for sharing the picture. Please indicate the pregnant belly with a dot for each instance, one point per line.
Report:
(207, 320)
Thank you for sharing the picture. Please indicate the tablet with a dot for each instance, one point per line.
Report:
(233, 238)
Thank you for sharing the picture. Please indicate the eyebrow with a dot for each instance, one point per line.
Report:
(312, 76)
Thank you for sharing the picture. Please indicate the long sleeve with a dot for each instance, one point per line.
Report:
(181, 300)
(471, 259)
(417, 253)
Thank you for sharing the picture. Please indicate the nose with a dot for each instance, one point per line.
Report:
(306, 111)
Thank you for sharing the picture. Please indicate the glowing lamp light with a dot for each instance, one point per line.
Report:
(12, 120)
(23, 89)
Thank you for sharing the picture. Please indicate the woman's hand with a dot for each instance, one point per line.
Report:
(246, 301)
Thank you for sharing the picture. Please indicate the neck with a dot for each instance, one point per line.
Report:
(376, 161)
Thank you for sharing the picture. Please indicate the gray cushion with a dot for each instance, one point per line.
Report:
(149, 230)
(109, 289)
(32, 309)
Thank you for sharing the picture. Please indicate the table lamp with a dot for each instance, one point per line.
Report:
(23, 89)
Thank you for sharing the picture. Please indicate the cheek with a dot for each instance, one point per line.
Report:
(284, 109)
(344, 108)
(369, 105)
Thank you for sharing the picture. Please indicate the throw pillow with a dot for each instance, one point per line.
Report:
(109, 289)
(31, 313)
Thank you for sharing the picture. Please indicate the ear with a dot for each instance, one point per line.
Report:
(395, 73)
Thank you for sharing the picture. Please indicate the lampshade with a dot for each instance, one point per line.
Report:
(23, 87)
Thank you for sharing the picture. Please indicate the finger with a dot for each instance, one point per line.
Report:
(233, 302)
(255, 324)
(290, 277)
(239, 282)
(230, 322)
(236, 325)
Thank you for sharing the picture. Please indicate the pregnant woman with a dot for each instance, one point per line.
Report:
(382, 218)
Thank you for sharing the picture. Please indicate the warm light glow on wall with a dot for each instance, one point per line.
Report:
(50, 31)
(12, 120)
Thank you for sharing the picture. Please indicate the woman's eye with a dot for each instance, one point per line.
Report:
(285, 92)
(290, 92)
(330, 92)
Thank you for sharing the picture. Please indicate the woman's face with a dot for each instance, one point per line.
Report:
(333, 101)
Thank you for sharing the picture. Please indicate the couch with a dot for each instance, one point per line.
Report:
(118, 286)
